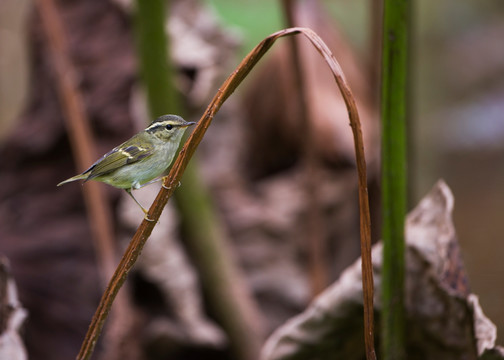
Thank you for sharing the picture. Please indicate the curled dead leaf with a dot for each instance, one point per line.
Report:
(444, 319)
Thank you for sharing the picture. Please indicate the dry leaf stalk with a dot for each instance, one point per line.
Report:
(171, 182)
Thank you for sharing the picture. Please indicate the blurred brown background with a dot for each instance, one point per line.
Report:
(456, 128)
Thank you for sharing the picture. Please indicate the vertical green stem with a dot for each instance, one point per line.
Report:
(394, 196)
(227, 293)
(153, 57)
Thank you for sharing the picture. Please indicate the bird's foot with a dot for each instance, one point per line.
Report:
(169, 187)
(146, 217)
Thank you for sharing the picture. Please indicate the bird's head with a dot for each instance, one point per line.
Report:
(168, 127)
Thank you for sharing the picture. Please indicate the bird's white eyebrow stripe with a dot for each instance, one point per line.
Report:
(153, 127)
(157, 125)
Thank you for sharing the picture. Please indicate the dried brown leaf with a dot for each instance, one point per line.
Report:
(444, 319)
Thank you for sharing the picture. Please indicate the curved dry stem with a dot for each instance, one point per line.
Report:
(171, 181)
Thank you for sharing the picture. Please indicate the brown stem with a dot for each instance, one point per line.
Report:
(171, 181)
(79, 132)
(98, 210)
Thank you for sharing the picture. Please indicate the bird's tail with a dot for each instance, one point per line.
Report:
(76, 177)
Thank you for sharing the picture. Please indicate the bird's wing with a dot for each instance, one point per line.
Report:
(124, 154)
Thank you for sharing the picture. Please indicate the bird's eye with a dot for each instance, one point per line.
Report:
(169, 127)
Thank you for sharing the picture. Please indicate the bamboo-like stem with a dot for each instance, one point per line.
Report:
(170, 183)
(153, 57)
(225, 288)
(394, 196)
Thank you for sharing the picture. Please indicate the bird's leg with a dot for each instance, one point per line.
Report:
(150, 182)
(141, 207)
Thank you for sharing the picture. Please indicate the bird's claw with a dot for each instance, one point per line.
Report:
(169, 187)
(146, 217)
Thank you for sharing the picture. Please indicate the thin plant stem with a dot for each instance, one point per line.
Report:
(225, 288)
(81, 139)
(170, 183)
(153, 56)
(394, 193)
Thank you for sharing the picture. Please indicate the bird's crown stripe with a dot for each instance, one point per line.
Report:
(157, 125)
(154, 127)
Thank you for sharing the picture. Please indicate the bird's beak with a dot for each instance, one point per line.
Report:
(189, 123)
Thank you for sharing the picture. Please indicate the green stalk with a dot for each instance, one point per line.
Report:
(157, 77)
(232, 302)
(394, 194)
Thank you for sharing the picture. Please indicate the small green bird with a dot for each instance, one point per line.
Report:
(141, 160)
